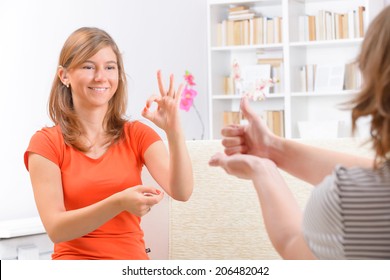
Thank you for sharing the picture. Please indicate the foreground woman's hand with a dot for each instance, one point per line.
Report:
(243, 166)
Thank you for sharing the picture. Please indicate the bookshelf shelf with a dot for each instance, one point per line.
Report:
(248, 47)
(327, 43)
(231, 97)
(304, 93)
(330, 93)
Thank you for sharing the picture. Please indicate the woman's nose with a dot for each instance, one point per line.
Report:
(100, 75)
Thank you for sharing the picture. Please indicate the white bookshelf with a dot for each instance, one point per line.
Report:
(299, 106)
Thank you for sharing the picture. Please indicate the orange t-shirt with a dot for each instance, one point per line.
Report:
(86, 181)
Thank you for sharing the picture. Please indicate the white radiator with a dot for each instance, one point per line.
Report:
(24, 239)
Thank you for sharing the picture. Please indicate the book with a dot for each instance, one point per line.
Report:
(329, 77)
(278, 122)
(310, 77)
(220, 35)
(272, 61)
(352, 77)
(258, 31)
(237, 33)
(233, 9)
(277, 74)
(229, 32)
(307, 76)
(302, 78)
(241, 16)
(361, 12)
(243, 11)
(274, 120)
(345, 26)
(231, 117)
(278, 30)
(312, 28)
(302, 27)
(351, 25)
(228, 85)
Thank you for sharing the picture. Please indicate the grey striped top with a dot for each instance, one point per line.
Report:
(348, 215)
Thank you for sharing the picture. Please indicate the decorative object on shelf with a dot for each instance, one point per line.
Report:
(256, 90)
(187, 98)
(253, 81)
(236, 76)
(256, 81)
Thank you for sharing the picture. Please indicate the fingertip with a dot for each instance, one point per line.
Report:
(212, 162)
(145, 114)
(245, 108)
(215, 159)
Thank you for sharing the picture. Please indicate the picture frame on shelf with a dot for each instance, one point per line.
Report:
(329, 77)
(253, 76)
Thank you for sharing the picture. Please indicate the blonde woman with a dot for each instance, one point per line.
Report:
(86, 169)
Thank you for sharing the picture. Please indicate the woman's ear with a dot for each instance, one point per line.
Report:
(63, 76)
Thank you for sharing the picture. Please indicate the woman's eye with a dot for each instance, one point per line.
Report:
(88, 67)
(111, 67)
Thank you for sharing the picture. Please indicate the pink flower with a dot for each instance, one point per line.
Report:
(189, 78)
(185, 104)
(187, 98)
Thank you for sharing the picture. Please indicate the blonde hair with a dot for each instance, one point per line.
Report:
(374, 97)
(80, 46)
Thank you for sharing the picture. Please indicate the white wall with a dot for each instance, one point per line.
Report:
(154, 34)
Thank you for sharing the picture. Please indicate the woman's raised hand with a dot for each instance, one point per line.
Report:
(166, 116)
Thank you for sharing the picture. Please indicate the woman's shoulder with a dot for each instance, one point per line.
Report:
(47, 142)
(52, 133)
(139, 135)
(357, 184)
(137, 128)
(347, 211)
(363, 179)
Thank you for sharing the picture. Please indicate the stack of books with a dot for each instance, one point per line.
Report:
(240, 13)
(327, 25)
(244, 27)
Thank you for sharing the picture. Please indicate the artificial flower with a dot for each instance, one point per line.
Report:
(188, 95)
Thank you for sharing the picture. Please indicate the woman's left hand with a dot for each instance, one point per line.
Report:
(243, 166)
(166, 116)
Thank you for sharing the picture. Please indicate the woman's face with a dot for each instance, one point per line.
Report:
(95, 81)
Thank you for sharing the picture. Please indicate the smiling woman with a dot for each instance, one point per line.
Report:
(97, 75)
(96, 62)
(93, 84)
(86, 169)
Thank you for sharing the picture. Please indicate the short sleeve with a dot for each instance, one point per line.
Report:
(142, 136)
(47, 143)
